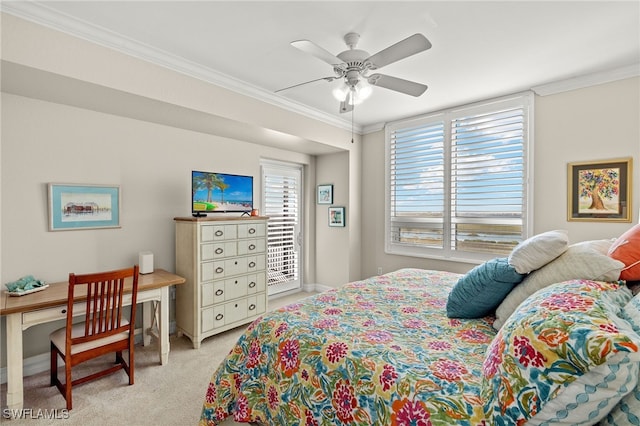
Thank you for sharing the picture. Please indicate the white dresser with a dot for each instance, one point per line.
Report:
(224, 263)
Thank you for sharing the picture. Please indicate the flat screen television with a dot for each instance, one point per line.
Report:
(220, 193)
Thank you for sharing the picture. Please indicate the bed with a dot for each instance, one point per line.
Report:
(383, 351)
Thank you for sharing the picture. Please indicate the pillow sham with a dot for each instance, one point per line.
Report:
(580, 261)
(535, 252)
(563, 357)
(480, 291)
(627, 411)
(627, 250)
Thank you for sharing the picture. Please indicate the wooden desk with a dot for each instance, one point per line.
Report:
(49, 305)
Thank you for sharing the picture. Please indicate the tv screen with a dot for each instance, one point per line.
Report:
(220, 193)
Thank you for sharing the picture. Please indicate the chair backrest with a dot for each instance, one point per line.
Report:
(105, 293)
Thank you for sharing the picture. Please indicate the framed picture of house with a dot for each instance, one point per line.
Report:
(600, 191)
(74, 206)
(325, 194)
(336, 216)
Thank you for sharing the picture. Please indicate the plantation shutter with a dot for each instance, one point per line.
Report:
(487, 181)
(457, 181)
(281, 203)
(417, 184)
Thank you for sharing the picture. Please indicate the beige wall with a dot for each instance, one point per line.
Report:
(114, 119)
(332, 243)
(47, 142)
(599, 122)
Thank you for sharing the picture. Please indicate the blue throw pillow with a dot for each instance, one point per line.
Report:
(479, 292)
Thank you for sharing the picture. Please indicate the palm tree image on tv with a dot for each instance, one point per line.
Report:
(599, 189)
(221, 192)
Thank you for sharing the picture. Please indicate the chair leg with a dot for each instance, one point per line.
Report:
(68, 385)
(54, 364)
(131, 365)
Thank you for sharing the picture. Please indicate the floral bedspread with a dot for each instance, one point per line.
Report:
(375, 352)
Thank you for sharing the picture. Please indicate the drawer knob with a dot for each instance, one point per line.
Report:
(236, 262)
(219, 233)
(252, 264)
(252, 307)
(219, 317)
(64, 311)
(219, 250)
(219, 292)
(236, 282)
(252, 230)
(252, 284)
(252, 246)
(219, 270)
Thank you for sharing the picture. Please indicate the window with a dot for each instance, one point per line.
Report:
(457, 181)
(282, 192)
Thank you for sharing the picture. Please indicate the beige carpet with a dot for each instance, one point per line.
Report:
(169, 394)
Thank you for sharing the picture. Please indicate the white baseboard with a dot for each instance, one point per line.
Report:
(322, 288)
(39, 363)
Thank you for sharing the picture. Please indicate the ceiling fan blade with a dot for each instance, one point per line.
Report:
(398, 84)
(317, 51)
(306, 82)
(402, 49)
(345, 107)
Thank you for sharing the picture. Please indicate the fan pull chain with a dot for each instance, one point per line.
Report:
(353, 108)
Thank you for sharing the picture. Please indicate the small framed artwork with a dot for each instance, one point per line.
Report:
(600, 191)
(74, 207)
(336, 216)
(325, 194)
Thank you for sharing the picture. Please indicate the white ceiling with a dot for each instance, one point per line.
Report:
(480, 49)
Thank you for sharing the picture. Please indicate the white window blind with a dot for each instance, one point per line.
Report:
(281, 203)
(457, 181)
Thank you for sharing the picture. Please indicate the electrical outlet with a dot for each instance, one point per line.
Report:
(379, 270)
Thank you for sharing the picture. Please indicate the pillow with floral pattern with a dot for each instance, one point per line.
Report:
(565, 356)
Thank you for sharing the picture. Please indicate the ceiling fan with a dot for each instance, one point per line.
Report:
(353, 66)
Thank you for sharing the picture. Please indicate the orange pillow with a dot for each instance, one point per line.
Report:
(626, 249)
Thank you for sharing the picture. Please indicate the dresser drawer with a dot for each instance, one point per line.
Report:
(218, 250)
(224, 268)
(218, 232)
(220, 315)
(256, 283)
(251, 246)
(256, 305)
(212, 292)
(255, 263)
(251, 230)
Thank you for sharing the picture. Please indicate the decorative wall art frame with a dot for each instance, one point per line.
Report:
(73, 207)
(325, 194)
(600, 191)
(336, 216)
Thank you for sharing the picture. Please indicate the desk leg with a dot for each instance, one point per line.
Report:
(147, 315)
(14, 361)
(164, 326)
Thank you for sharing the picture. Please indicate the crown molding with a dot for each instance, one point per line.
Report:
(40, 14)
(587, 80)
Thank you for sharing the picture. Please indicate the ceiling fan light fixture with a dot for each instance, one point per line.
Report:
(341, 92)
(353, 94)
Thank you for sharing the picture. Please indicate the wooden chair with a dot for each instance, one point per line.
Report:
(105, 328)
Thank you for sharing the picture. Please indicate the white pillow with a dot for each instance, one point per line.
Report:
(579, 262)
(601, 246)
(535, 252)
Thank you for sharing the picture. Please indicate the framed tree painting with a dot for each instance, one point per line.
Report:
(600, 191)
